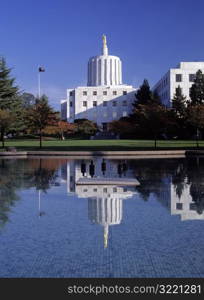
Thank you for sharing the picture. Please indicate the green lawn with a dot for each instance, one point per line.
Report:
(99, 145)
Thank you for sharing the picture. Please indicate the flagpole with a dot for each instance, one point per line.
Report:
(38, 82)
(39, 202)
(40, 69)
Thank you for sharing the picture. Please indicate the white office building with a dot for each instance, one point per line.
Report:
(105, 98)
(183, 75)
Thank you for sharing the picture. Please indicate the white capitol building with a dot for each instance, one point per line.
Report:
(105, 98)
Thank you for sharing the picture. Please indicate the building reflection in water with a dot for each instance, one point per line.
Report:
(185, 206)
(176, 184)
(105, 185)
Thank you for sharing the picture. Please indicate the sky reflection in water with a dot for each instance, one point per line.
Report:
(101, 217)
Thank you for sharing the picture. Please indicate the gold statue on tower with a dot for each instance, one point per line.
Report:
(104, 40)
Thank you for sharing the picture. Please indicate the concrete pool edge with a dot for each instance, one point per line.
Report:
(138, 153)
(118, 154)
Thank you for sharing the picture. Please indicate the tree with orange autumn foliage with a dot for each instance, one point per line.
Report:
(61, 128)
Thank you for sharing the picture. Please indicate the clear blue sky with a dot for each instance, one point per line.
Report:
(150, 36)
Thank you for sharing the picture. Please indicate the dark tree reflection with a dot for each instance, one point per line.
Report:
(153, 174)
(24, 174)
(195, 173)
(179, 178)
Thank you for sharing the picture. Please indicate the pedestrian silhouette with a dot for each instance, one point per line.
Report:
(83, 168)
(103, 166)
(119, 169)
(91, 169)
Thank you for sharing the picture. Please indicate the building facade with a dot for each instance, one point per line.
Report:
(182, 76)
(105, 98)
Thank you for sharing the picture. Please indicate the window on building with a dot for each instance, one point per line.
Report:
(114, 103)
(124, 92)
(71, 93)
(70, 103)
(94, 103)
(84, 93)
(95, 190)
(114, 190)
(104, 93)
(85, 190)
(124, 102)
(85, 103)
(114, 92)
(179, 206)
(124, 114)
(94, 93)
(114, 114)
(192, 77)
(105, 190)
(178, 77)
(104, 103)
(192, 206)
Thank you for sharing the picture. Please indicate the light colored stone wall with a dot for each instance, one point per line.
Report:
(100, 113)
(166, 86)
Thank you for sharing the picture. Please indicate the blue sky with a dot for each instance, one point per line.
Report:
(150, 36)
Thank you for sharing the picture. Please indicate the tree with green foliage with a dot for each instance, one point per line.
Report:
(179, 102)
(10, 101)
(145, 96)
(195, 117)
(156, 98)
(152, 119)
(197, 89)
(40, 115)
(6, 119)
(9, 95)
(28, 100)
(86, 127)
(123, 127)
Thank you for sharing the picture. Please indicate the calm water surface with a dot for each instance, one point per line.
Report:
(101, 217)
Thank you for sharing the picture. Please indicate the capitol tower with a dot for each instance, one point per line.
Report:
(104, 70)
(105, 98)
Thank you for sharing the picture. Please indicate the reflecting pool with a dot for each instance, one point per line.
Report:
(102, 217)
